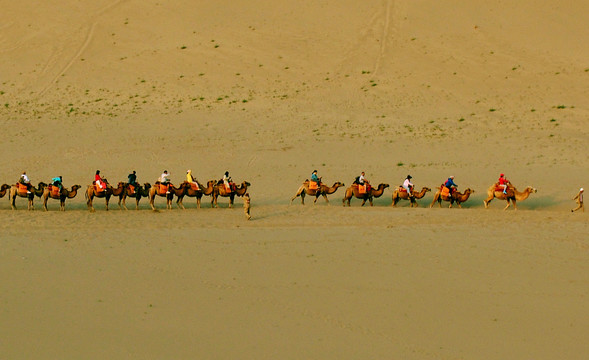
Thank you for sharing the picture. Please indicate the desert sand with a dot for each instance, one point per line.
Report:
(270, 91)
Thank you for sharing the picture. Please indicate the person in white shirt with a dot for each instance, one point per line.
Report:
(407, 185)
(24, 179)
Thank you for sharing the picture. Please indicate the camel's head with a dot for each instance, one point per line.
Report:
(211, 183)
(147, 185)
(427, 189)
(469, 190)
(76, 187)
(338, 184)
(531, 189)
(384, 186)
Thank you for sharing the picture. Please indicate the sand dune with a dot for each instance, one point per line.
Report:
(271, 90)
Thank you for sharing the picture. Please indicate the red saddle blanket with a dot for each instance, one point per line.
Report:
(402, 189)
(54, 190)
(131, 189)
(98, 189)
(194, 186)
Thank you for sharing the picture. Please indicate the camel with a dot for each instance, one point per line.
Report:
(456, 197)
(353, 191)
(220, 190)
(512, 195)
(30, 196)
(91, 193)
(138, 193)
(64, 194)
(154, 191)
(4, 190)
(208, 190)
(398, 195)
(322, 191)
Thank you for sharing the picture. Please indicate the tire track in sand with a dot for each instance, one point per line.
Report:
(87, 40)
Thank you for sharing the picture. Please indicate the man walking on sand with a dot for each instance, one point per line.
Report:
(579, 199)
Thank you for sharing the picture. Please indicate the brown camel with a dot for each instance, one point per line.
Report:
(14, 192)
(456, 197)
(156, 191)
(323, 190)
(512, 195)
(221, 190)
(91, 193)
(137, 193)
(50, 192)
(353, 191)
(400, 193)
(191, 192)
(4, 190)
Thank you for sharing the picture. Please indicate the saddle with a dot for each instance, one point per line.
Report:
(194, 186)
(445, 191)
(163, 189)
(131, 189)
(363, 189)
(22, 188)
(313, 185)
(54, 190)
(98, 189)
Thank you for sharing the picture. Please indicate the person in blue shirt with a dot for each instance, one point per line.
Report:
(314, 176)
(450, 184)
(58, 181)
(132, 177)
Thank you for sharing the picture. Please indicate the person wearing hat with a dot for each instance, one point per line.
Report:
(450, 184)
(191, 180)
(407, 185)
(503, 182)
(579, 199)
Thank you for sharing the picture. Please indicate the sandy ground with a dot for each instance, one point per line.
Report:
(271, 90)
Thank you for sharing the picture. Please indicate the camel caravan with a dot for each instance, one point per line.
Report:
(225, 187)
(100, 188)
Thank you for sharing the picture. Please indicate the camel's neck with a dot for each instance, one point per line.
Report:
(378, 192)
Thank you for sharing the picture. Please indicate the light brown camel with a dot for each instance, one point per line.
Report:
(512, 195)
(400, 193)
(14, 192)
(4, 190)
(220, 190)
(190, 192)
(456, 197)
(323, 190)
(91, 193)
(156, 191)
(137, 193)
(353, 191)
(61, 196)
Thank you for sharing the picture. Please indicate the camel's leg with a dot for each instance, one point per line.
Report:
(137, 202)
(370, 200)
(62, 207)
(508, 204)
(107, 198)
(89, 203)
(151, 202)
(198, 201)
(487, 201)
(325, 197)
(514, 204)
(45, 203)
(436, 196)
(179, 203)
(12, 201)
(231, 197)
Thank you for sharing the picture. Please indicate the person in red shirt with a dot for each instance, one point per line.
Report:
(98, 180)
(503, 182)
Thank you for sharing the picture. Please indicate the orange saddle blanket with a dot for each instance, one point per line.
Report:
(163, 189)
(363, 189)
(445, 191)
(22, 188)
(131, 189)
(313, 185)
(54, 190)
(194, 186)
